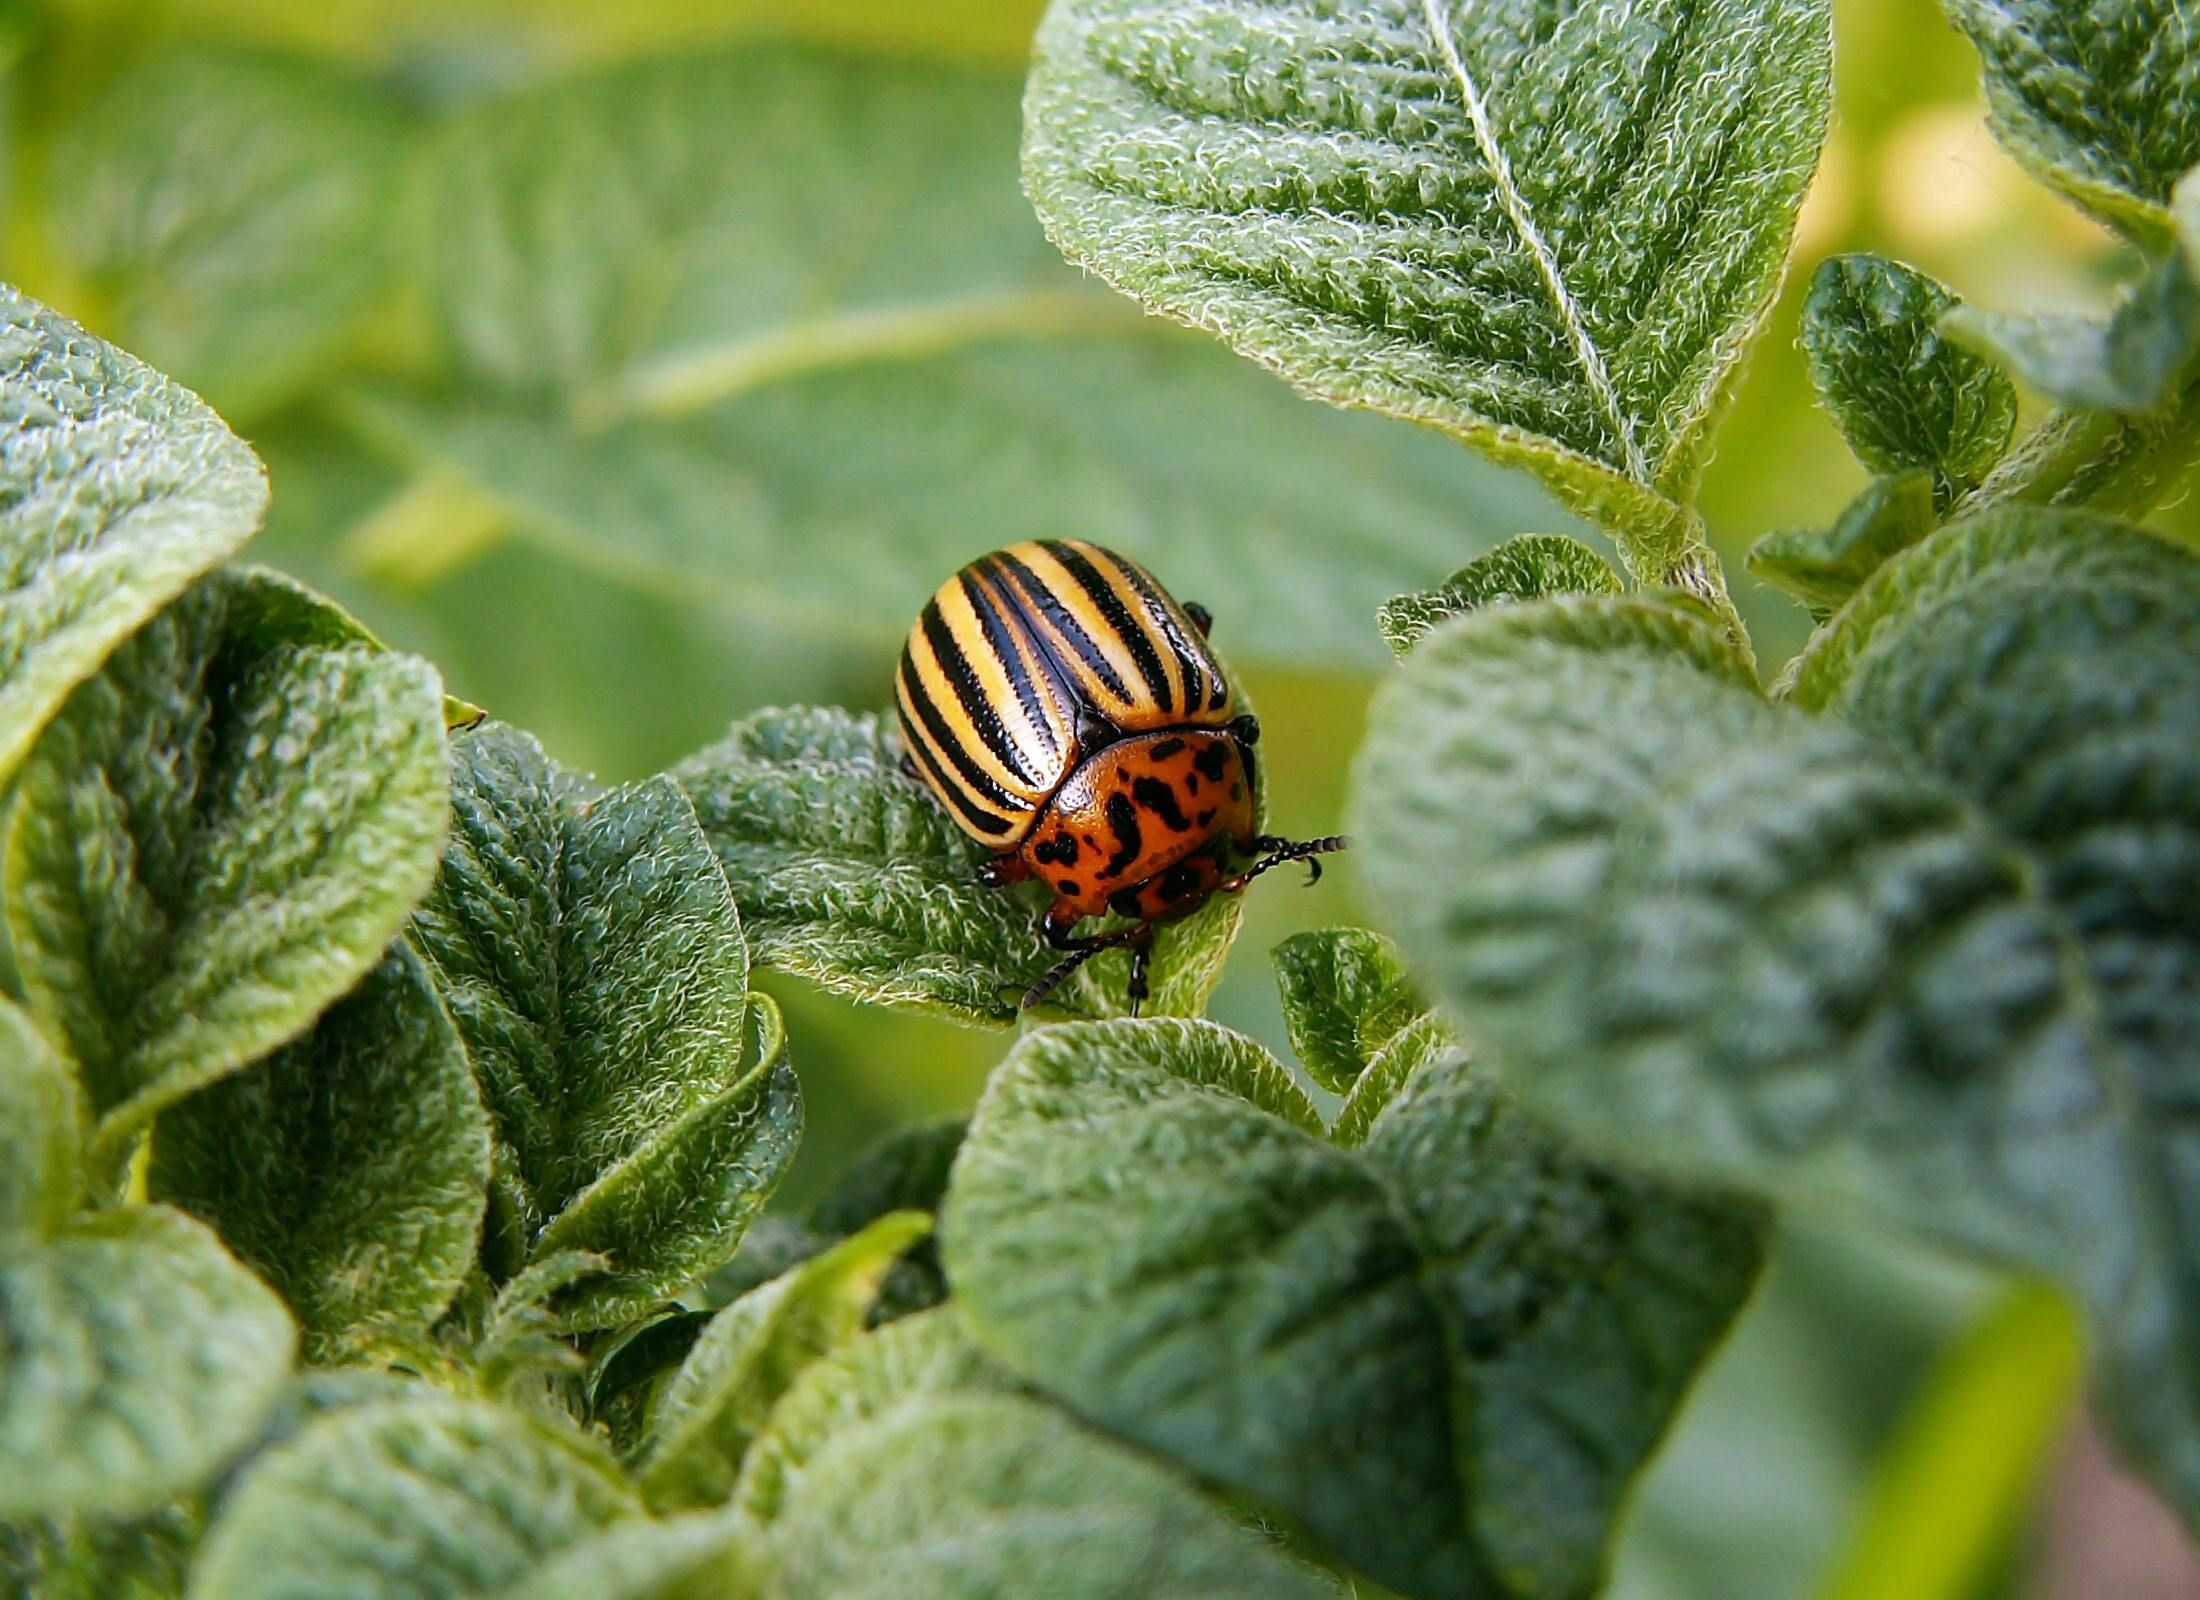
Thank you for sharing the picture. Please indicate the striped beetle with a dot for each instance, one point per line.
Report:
(1070, 717)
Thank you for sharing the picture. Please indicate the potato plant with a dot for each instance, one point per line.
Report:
(389, 1111)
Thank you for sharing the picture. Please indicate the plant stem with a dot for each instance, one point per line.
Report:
(1697, 571)
(2122, 465)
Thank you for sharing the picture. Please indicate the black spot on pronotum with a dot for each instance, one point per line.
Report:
(1214, 761)
(1166, 748)
(1123, 821)
(1204, 818)
(1069, 888)
(1124, 902)
(1178, 882)
(1061, 851)
(1237, 791)
(1160, 799)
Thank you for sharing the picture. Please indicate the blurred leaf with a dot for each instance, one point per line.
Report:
(1346, 999)
(119, 489)
(680, 1558)
(1527, 566)
(350, 1168)
(594, 962)
(1445, 1353)
(136, 1355)
(275, 608)
(905, 1171)
(2100, 100)
(216, 838)
(900, 1469)
(1901, 393)
(1955, 1490)
(1529, 229)
(1822, 568)
(851, 874)
(41, 1130)
(141, 1558)
(774, 331)
(752, 1352)
(437, 1497)
(232, 211)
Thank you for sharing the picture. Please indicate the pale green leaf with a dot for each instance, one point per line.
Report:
(751, 1354)
(1422, 1042)
(136, 1356)
(2102, 100)
(120, 488)
(1901, 393)
(774, 331)
(1546, 229)
(41, 1130)
(849, 872)
(350, 1168)
(680, 1558)
(430, 1499)
(237, 261)
(1346, 998)
(1444, 1353)
(1526, 567)
(215, 839)
(901, 1470)
(590, 952)
(1823, 567)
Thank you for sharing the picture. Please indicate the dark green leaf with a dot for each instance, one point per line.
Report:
(592, 957)
(120, 488)
(1822, 568)
(1526, 567)
(41, 1130)
(1346, 998)
(430, 1499)
(900, 1470)
(237, 261)
(350, 1168)
(753, 1351)
(1902, 394)
(136, 1355)
(1548, 230)
(1359, 1338)
(140, 1558)
(849, 872)
(907, 1170)
(2101, 100)
(215, 839)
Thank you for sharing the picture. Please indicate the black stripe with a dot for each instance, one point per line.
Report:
(1127, 627)
(1001, 637)
(1188, 653)
(1049, 605)
(978, 713)
(974, 781)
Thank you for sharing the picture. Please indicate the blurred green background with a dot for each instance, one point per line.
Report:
(640, 382)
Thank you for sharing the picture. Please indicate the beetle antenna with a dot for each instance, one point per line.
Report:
(1302, 850)
(1060, 972)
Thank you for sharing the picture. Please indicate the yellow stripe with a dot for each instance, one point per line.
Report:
(968, 631)
(913, 728)
(932, 678)
(1114, 568)
(1071, 596)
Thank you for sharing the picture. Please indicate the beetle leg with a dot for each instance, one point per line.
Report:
(1202, 618)
(1000, 871)
(1141, 957)
(909, 767)
(1245, 729)
(1056, 925)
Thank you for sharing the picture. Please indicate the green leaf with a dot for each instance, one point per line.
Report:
(136, 1356)
(1346, 999)
(215, 839)
(590, 952)
(1901, 393)
(680, 1558)
(1549, 231)
(1444, 1353)
(905, 1171)
(431, 1499)
(773, 331)
(752, 1352)
(848, 872)
(900, 1469)
(120, 488)
(141, 1558)
(1528, 566)
(41, 1130)
(350, 1168)
(239, 262)
(2098, 100)
(1823, 567)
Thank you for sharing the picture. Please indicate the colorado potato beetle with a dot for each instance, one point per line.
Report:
(1068, 714)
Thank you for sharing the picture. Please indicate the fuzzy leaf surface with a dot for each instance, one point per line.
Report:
(2102, 100)
(136, 1356)
(1546, 229)
(429, 1499)
(1360, 1338)
(41, 1130)
(1346, 998)
(735, 348)
(901, 1468)
(120, 488)
(237, 261)
(849, 873)
(350, 1168)
(1903, 394)
(216, 838)
(1822, 567)
(1526, 567)
(678, 1558)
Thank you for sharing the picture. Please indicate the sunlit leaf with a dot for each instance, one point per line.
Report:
(1527, 567)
